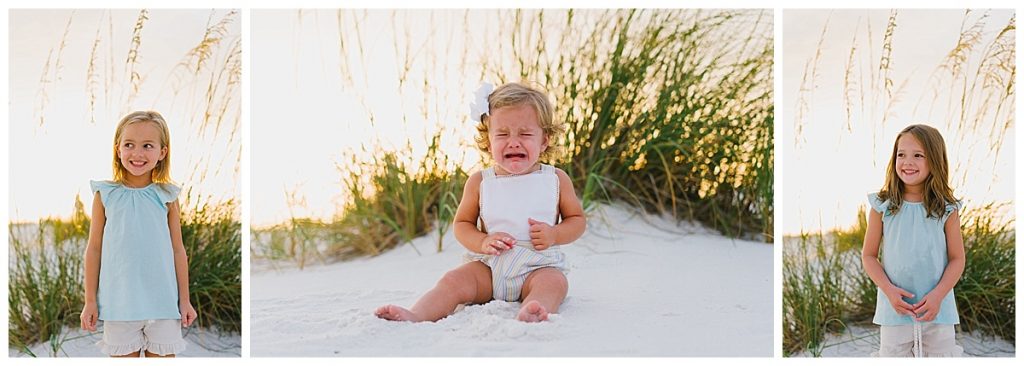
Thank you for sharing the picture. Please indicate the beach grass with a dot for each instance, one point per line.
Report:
(671, 123)
(45, 279)
(46, 273)
(212, 236)
(393, 200)
(669, 111)
(825, 287)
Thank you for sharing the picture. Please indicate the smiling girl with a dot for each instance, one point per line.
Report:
(136, 270)
(917, 218)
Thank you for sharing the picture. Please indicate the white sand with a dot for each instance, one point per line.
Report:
(639, 286)
(79, 343)
(862, 341)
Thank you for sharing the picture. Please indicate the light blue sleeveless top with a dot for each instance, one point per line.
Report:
(914, 257)
(137, 277)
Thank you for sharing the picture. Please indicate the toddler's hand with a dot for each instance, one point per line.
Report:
(188, 314)
(542, 235)
(89, 316)
(895, 296)
(928, 308)
(497, 243)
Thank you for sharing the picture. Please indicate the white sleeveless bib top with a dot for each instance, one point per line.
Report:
(506, 205)
(508, 202)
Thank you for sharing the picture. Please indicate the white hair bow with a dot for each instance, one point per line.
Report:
(479, 106)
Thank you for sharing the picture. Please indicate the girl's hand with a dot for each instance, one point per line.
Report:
(497, 243)
(928, 308)
(895, 296)
(188, 314)
(90, 315)
(542, 235)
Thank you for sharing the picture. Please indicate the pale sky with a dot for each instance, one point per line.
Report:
(829, 172)
(306, 118)
(50, 164)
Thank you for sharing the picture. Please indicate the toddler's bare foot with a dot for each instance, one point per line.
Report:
(532, 312)
(395, 313)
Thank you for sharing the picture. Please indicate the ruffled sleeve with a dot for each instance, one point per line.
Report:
(950, 207)
(104, 187)
(167, 192)
(877, 204)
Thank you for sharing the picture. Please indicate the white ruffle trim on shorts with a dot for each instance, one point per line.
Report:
(119, 349)
(157, 348)
(166, 349)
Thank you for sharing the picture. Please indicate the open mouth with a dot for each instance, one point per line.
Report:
(137, 164)
(515, 156)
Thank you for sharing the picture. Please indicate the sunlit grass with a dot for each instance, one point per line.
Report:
(46, 273)
(825, 288)
(670, 111)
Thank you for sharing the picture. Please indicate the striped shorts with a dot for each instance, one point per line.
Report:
(510, 269)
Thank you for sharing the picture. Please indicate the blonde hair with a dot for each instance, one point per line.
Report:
(162, 172)
(937, 193)
(516, 94)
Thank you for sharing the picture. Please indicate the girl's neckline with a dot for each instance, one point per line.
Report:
(540, 168)
(137, 188)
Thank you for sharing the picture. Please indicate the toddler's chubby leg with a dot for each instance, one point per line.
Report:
(543, 292)
(470, 283)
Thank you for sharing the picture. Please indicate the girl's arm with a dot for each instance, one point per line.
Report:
(573, 222)
(928, 308)
(466, 231)
(188, 313)
(955, 254)
(93, 252)
(874, 269)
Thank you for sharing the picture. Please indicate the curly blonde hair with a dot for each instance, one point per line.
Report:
(516, 94)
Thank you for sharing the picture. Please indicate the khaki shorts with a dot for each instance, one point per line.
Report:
(937, 340)
(161, 336)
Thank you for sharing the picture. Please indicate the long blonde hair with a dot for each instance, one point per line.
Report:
(162, 172)
(937, 193)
